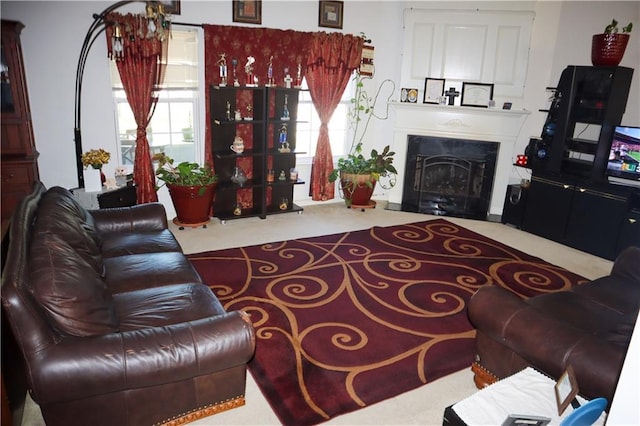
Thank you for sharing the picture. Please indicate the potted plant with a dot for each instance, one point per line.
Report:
(607, 49)
(359, 174)
(191, 187)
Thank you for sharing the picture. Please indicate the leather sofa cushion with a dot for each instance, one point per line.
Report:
(161, 306)
(62, 200)
(69, 290)
(126, 243)
(58, 215)
(139, 271)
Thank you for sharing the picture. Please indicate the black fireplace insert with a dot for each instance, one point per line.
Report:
(449, 177)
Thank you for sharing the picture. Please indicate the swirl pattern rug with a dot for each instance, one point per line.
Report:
(346, 320)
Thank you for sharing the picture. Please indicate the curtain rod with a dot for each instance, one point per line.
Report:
(187, 24)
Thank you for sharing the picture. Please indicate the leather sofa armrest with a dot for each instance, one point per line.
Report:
(138, 218)
(546, 343)
(78, 368)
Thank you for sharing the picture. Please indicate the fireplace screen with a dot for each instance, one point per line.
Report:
(449, 177)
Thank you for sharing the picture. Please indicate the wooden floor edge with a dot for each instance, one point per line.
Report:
(207, 411)
(482, 377)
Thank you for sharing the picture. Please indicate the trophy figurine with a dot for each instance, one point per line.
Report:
(287, 78)
(285, 110)
(222, 63)
(248, 70)
(270, 73)
(298, 83)
(234, 63)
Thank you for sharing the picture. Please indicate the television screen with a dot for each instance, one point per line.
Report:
(624, 157)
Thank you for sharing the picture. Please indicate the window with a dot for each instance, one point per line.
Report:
(309, 126)
(175, 123)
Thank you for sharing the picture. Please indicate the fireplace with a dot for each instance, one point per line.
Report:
(449, 177)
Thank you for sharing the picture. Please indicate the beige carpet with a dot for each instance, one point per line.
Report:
(422, 406)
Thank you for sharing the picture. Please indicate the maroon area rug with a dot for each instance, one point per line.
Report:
(346, 320)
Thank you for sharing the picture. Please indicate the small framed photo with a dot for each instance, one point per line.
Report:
(172, 7)
(247, 11)
(476, 94)
(507, 105)
(330, 14)
(433, 90)
(566, 389)
(409, 95)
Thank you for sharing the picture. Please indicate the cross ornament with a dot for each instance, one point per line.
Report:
(452, 94)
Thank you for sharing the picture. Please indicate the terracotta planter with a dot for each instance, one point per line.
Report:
(356, 190)
(607, 50)
(192, 207)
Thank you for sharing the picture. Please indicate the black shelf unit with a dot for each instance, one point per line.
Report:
(570, 199)
(273, 108)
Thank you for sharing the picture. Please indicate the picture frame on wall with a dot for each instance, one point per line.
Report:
(247, 11)
(330, 14)
(172, 7)
(476, 94)
(433, 90)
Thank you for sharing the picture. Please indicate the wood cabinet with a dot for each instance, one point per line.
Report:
(19, 155)
(596, 218)
(257, 181)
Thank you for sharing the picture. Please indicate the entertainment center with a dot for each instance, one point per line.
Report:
(585, 184)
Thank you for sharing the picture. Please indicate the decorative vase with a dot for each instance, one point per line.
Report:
(607, 50)
(92, 180)
(192, 203)
(356, 190)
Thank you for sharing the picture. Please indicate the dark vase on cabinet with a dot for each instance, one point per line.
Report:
(258, 179)
(19, 155)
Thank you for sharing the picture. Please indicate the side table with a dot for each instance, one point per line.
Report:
(526, 393)
(124, 196)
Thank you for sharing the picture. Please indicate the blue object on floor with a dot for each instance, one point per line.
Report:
(586, 414)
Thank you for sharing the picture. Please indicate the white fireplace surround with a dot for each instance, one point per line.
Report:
(480, 124)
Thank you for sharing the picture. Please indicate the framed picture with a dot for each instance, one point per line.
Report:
(172, 7)
(247, 11)
(409, 95)
(476, 94)
(330, 14)
(433, 90)
(566, 389)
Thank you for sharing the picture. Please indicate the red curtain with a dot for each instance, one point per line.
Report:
(141, 68)
(332, 59)
(288, 49)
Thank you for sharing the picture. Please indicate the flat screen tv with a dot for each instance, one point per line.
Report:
(624, 157)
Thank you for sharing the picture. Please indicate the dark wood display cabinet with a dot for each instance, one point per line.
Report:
(259, 180)
(19, 155)
(570, 199)
(593, 217)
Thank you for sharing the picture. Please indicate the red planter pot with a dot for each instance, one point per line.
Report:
(607, 50)
(192, 206)
(356, 190)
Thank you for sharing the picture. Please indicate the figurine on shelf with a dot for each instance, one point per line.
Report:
(298, 83)
(238, 177)
(248, 70)
(284, 145)
(228, 112)
(282, 176)
(238, 145)
(237, 210)
(285, 110)
(222, 63)
(249, 116)
(270, 73)
(287, 78)
(237, 115)
(284, 204)
(234, 64)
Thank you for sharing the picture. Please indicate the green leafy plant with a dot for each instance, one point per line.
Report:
(378, 164)
(184, 174)
(612, 28)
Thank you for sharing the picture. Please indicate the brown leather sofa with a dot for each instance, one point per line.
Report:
(588, 327)
(114, 324)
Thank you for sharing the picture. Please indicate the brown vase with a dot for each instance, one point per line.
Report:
(192, 203)
(607, 50)
(356, 190)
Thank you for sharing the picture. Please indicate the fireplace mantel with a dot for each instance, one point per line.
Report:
(481, 124)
